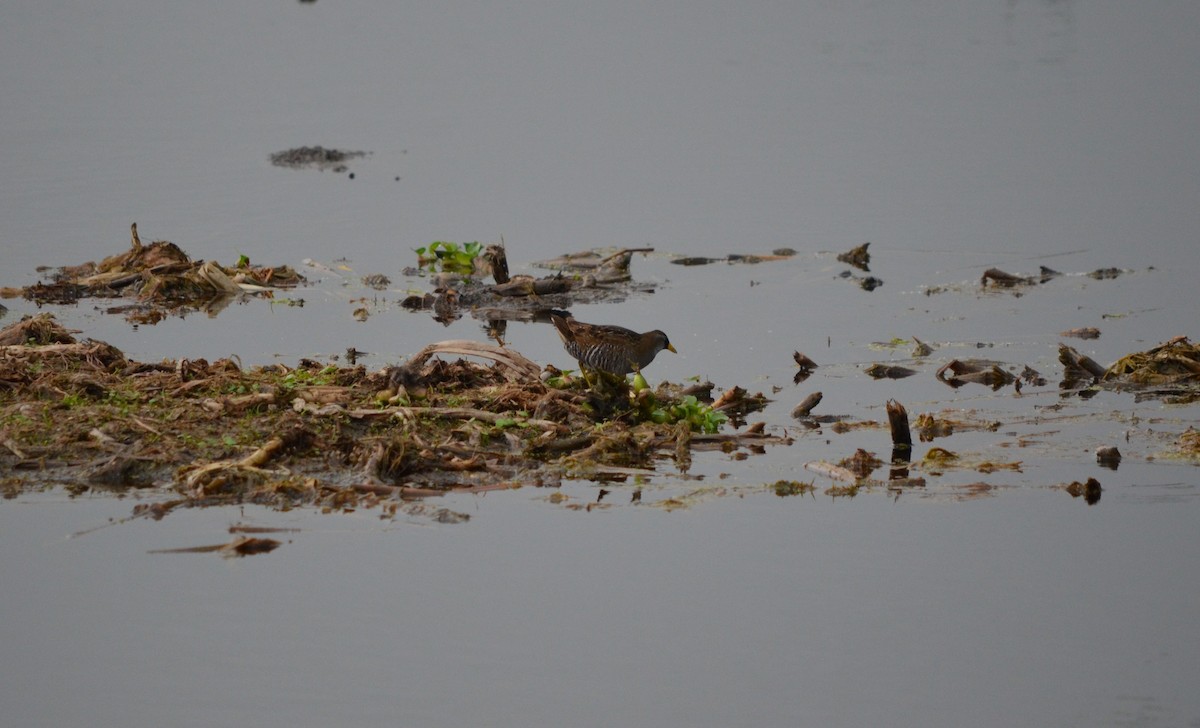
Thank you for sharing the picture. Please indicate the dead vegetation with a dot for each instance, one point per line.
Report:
(1170, 371)
(79, 414)
(585, 277)
(83, 416)
(156, 281)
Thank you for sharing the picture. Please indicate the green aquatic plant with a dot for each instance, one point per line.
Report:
(449, 257)
(308, 378)
(699, 416)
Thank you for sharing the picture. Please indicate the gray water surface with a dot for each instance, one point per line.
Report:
(954, 137)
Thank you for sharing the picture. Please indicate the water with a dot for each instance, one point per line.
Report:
(1029, 609)
(1006, 134)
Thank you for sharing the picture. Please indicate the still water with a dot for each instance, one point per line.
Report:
(954, 137)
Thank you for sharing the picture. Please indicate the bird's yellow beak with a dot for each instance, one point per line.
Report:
(671, 348)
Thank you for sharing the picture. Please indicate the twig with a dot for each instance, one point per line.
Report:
(521, 367)
(15, 449)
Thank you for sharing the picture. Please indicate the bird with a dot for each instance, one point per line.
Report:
(612, 349)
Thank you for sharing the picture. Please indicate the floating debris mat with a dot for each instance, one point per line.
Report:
(162, 280)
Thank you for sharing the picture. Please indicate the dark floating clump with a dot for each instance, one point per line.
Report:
(750, 258)
(861, 463)
(857, 257)
(1078, 369)
(1108, 456)
(317, 157)
(241, 546)
(378, 281)
(806, 367)
(974, 371)
(1090, 491)
(805, 364)
(695, 260)
(867, 283)
(1000, 279)
(806, 406)
(889, 371)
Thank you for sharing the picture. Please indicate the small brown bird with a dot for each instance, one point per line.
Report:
(611, 349)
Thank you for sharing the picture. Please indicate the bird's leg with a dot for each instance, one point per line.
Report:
(583, 372)
(601, 382)
(612, 385)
